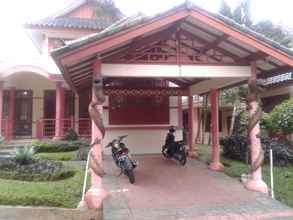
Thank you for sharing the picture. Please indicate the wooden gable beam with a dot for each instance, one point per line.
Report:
(203, 41)
(247, 39)
(119, 38)
(259, 55)
(141, 43)
(214, 43)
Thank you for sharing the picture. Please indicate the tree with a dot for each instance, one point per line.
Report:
(225, 9)
(274, 32)
(242, 15)
(236, 97)
(280, 119)
(107, 10)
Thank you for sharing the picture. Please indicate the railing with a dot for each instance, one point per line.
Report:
(46, 127)
(84, 127)
(5, 129)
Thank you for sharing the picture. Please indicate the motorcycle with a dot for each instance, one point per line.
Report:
(120, 154)
(180, 153)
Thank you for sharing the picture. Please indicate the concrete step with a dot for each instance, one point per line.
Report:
(18, 143)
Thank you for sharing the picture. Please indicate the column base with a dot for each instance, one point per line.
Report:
(57, 138)
(257, 186)
(216, 166)
(82, 205)
(94, 197)
(192, 154)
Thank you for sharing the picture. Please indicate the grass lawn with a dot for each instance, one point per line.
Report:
(283, 176)
(64, 193)
(62, 156)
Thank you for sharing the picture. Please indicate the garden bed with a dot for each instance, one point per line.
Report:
(63, 193)
(34, 170)
(283, 175)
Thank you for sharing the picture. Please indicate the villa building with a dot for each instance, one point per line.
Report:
(39, 103)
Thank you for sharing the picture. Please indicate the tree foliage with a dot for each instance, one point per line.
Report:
(280, 119)
(242, 15)
(107, 10)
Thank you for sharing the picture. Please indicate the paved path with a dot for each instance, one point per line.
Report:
(165, 190)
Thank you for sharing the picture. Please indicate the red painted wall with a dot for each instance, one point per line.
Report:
(131, 110)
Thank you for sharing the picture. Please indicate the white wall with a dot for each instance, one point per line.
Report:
(146, 141)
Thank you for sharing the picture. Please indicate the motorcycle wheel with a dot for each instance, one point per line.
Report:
(131, 177)
(183, 159)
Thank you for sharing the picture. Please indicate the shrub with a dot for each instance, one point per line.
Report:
(70, 135)
(280, 119)
(24, 155)
(236, 148)
(61, 156)
(82, 153)
(59, 146)
(36, 170)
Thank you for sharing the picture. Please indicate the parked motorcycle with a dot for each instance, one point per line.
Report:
(120, 154)
(175, 149)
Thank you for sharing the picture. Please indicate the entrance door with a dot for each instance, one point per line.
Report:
(23, 113)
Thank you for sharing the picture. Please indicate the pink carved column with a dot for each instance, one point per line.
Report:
(216, 164)
(96, 194)
(11, 110)
(1, 107)
(191, 127)
(60, 102)
(255, 183)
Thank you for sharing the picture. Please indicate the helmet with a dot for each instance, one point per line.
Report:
(172, 129)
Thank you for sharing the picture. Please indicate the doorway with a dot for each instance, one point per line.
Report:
(23, 113)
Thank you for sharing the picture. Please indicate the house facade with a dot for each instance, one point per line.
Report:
(38, 103)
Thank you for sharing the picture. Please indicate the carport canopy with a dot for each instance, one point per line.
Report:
(188, 46)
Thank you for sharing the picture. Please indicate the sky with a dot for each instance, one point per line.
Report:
(15, 43)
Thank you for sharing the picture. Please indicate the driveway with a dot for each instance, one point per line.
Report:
(165, 190)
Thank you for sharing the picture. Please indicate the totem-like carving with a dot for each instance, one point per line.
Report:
(254, 119)
(97, 118)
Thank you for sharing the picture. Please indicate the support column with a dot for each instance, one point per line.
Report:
(1, 107)
(255, 183)
(11, 110)
(191, 128)
(76, 113)
(180, 113)
(96, 194)
(59, 116)
(216, 164)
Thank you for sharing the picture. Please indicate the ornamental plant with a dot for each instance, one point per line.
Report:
(24, 155)
(280, 120)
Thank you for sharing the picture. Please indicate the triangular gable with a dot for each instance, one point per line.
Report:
(117, 34)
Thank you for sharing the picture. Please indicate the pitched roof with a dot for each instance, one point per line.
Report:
(140, 19)
(200, 33)
(60, 19)
(66, 22)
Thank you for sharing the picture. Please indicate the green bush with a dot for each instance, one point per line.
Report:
(82, 153)
(281, 118)
(61, 156)
(70, 135)
(35, 170)
(40, 177)
(59, 146)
